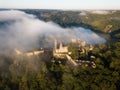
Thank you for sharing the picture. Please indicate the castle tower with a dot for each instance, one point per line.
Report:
(61, 46)
(55, 45)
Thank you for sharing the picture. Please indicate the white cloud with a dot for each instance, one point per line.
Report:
(25, 31)
(100, 12)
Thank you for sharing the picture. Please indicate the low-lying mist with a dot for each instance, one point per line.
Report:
(21, 30)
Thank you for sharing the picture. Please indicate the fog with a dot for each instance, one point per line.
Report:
(98, 12)
(21, 30)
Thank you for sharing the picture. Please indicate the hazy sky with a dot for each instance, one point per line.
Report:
(61, 4)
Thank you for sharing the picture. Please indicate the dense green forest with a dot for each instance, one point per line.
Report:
(39, 73)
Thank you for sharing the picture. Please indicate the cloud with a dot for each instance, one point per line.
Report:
(83, 13)
(100, 12)
(21, 30)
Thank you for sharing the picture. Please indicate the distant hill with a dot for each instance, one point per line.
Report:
(2, 9)
(99, 20)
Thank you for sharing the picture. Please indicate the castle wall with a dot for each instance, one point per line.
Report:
(29, 53)
(62, 50)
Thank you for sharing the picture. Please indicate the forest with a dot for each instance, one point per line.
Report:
(39, 73)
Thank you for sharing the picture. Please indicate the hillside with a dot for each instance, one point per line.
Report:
(98, 20)
(105, 22)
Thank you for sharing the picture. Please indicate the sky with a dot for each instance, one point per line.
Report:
(61, 4)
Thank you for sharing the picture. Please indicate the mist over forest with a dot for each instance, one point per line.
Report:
(22, 30)
(27, 48)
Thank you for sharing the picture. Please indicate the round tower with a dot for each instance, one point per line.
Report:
(55, 45)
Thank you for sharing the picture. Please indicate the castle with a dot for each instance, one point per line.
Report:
(61, 51)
